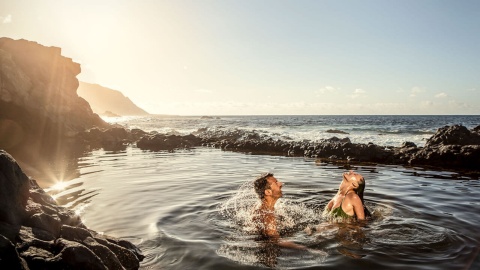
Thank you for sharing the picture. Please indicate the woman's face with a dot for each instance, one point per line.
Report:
(353, 178)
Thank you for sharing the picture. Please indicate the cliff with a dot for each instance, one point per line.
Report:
(103, 100)
(39, 106)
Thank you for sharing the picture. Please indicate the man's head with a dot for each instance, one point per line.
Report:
(267, 185)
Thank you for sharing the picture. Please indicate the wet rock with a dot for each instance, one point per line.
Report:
(448, 156)
(110, 139)
(409, 145)
(476, 129)
(48, 236)
(453, 135)
(9, 257)
(14, 187)
(453, 147)
(336, 131)
(74, 255)
(450, 147)
(127, 253)
(158, 142)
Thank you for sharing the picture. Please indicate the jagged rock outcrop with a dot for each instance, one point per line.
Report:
(110, 139)
(451, 146)
(157, 142)
(36, 233)
(39, 105)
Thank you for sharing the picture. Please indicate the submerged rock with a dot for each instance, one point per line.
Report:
(36, 233)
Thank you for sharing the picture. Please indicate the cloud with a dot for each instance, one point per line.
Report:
(416, 90)
(441, 95)
(326, 89)
(427, 103)
(6, 19)
(358, 93)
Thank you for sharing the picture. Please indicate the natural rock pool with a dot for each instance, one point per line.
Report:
(186, 210)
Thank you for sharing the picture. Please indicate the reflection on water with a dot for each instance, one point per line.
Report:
(192, 209)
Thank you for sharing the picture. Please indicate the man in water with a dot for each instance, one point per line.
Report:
(269, 190)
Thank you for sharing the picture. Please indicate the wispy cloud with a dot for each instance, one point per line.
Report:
(416, 90)
(358, 93)
(441, 95)
(325, 90)
(6, 19)
(428, 103)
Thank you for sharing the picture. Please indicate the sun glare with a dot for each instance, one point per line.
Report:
(57, 187)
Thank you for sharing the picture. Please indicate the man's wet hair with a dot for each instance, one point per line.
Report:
(261, 184)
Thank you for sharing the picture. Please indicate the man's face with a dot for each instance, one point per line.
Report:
(275, 187)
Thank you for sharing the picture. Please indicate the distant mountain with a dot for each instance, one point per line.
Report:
(105, 101)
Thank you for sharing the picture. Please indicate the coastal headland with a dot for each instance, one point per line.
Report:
(40, 118)
(43, 122)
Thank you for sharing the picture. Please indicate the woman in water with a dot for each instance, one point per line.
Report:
(348, 202)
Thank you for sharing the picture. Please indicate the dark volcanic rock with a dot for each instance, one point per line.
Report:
(454, 135)
(111, 139)
(36, 233)
(336, 131)
(454, 147)
(451, 146)
(157, 142)
(14, 186)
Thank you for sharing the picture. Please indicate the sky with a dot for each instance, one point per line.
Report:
(267, 57)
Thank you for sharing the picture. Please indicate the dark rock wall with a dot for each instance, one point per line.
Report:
(39, 105)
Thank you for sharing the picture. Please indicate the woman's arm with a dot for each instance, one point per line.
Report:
(329, 205)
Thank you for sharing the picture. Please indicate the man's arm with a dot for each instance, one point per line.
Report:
(270, 223)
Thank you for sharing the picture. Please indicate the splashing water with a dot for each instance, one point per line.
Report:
(240, 210)
(243, 245)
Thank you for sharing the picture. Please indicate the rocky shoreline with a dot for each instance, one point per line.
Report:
(451, 147)
(36, 233)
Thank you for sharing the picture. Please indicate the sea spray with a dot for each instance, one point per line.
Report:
(243, 244)
(240, 208)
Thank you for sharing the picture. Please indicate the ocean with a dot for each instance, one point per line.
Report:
(191, 209)
(385, 130)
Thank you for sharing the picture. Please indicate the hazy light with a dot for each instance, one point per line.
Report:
(57, 187)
